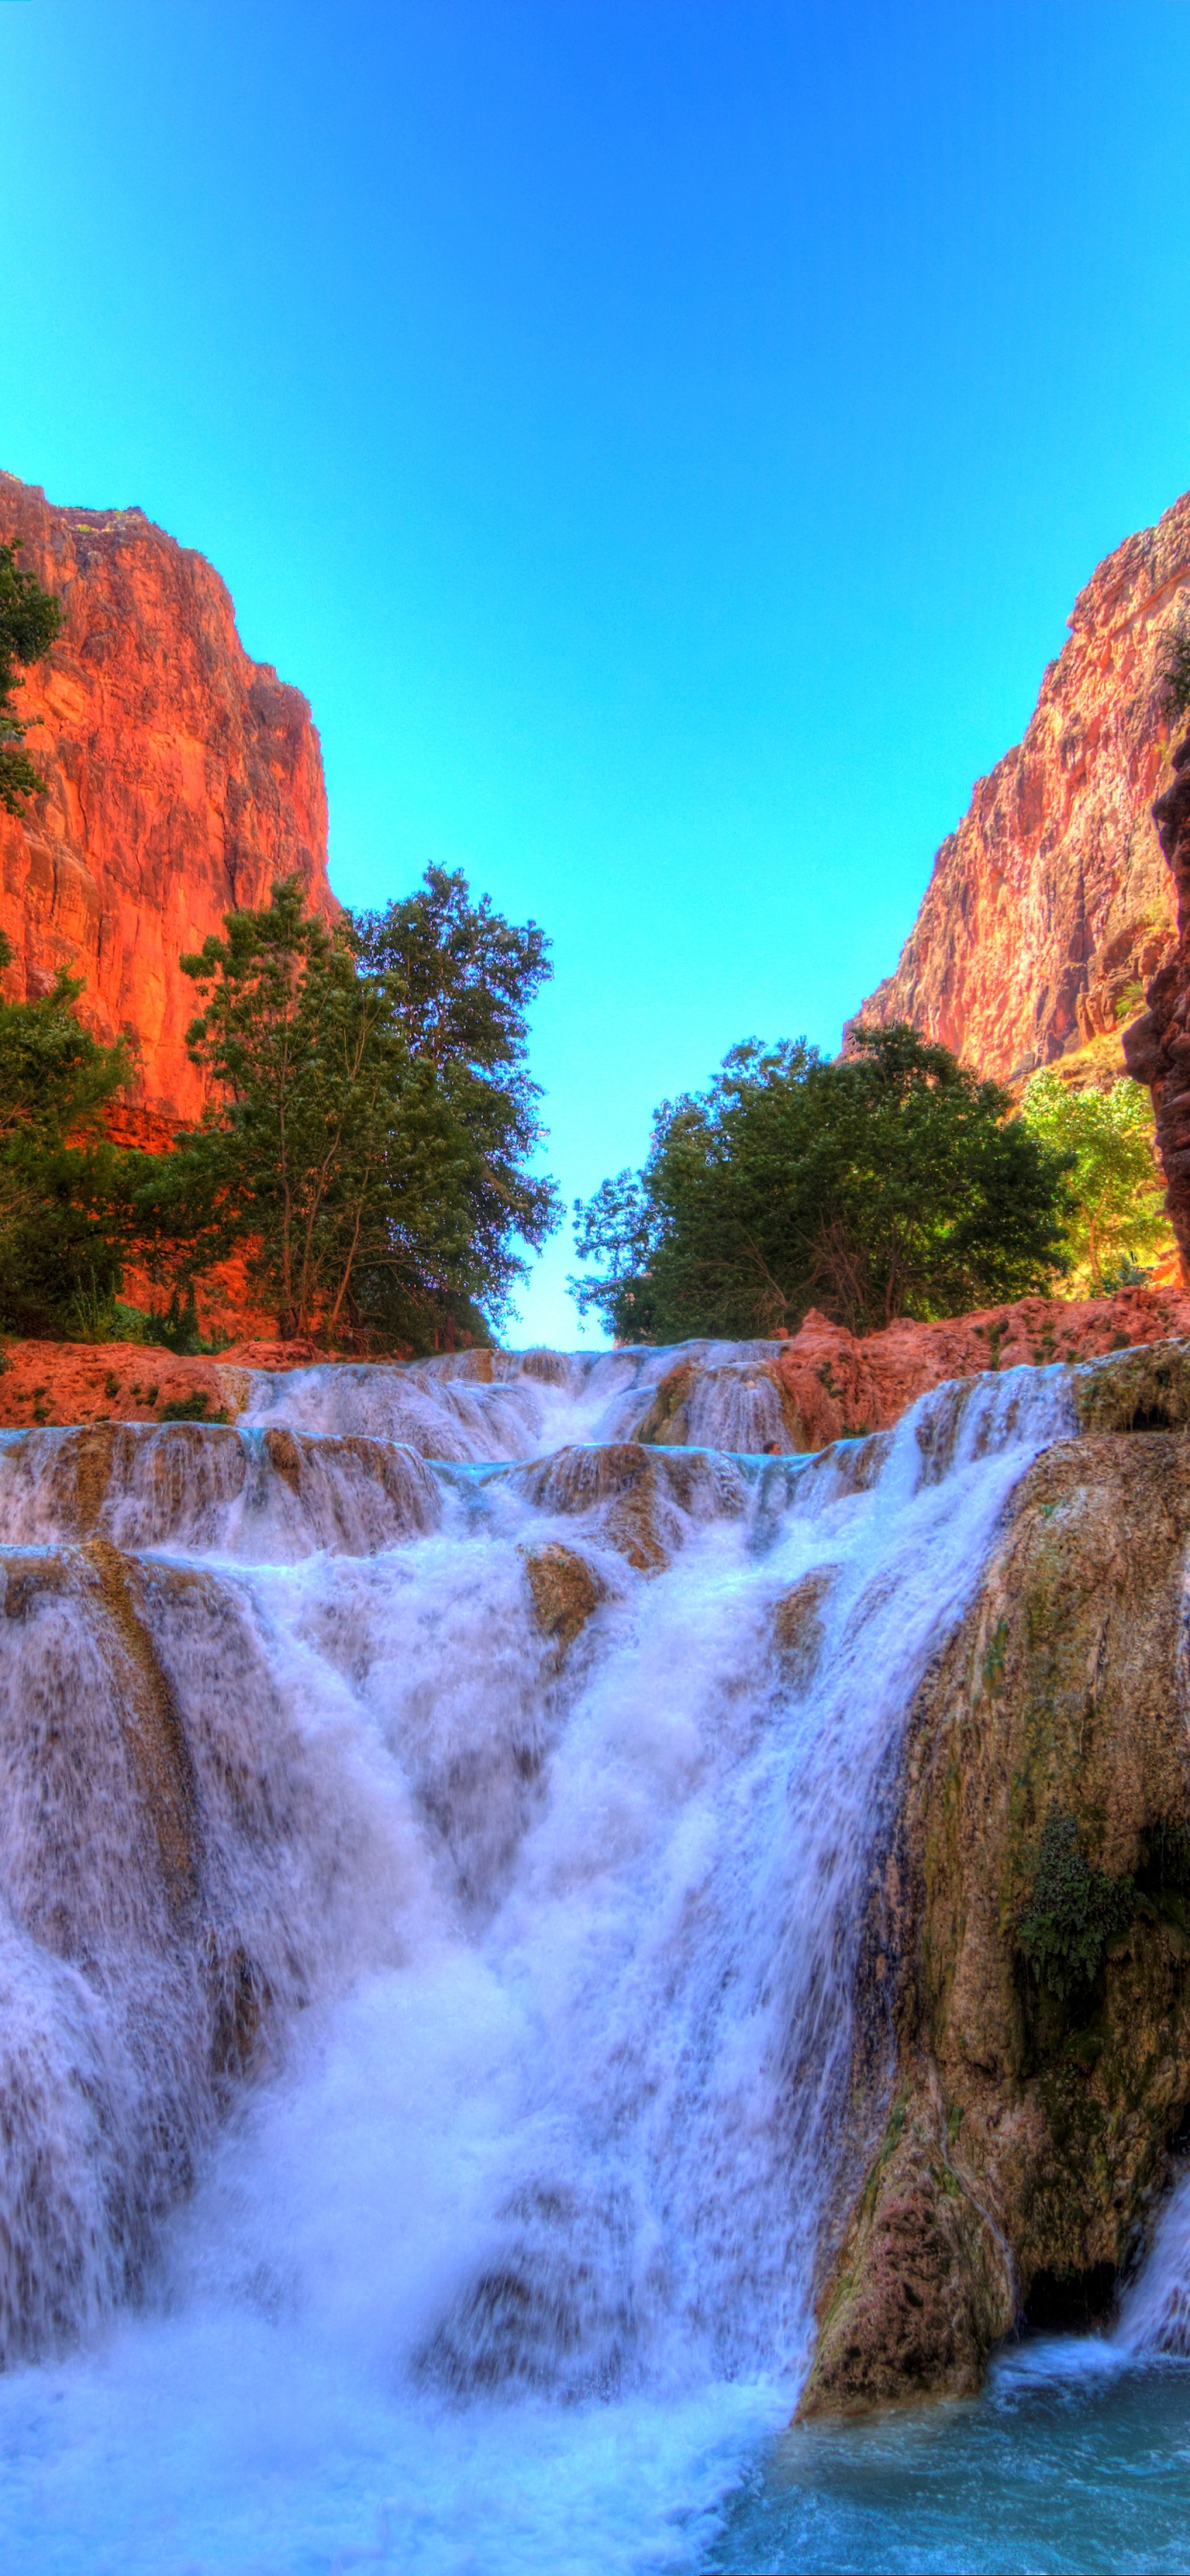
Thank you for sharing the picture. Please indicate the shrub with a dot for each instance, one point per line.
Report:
(192, 1408)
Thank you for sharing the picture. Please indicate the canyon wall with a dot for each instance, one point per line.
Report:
(181, 779)
(1157, 1046)
(1051, 904)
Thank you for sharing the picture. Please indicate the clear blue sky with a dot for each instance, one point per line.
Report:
(663, 437)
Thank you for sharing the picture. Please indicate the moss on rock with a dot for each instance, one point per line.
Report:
(565, 1591)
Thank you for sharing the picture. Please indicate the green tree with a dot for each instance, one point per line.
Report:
(65, 1190)
(1117, 1212)
(372, 1113)
(29, 620)
(458, 980)
(889, 1182)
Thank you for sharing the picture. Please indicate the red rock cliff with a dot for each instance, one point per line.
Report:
(1157, 1047)
(1051, 903)
(181, 779)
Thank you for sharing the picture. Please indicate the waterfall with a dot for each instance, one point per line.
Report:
(470, 1815)
(508, 1404)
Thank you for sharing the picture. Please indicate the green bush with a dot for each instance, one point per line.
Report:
(192, 1408)
(66, 1192)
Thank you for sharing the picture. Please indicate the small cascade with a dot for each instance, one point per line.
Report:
(477, 1405)
(274, 1494)
(1155, 2310)
(481, 1805)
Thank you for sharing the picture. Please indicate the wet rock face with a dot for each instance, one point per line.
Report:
(925, 2288)
(635, 1500)
(1050, 904)
(182, 778)
(1031, 1919)
(565, 1591)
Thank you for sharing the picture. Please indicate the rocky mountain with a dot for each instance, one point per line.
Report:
(181, 779)
(1051, 904)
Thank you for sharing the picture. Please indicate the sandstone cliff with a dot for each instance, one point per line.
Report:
(181, 779)
(1050, 905)
(1157, 1046)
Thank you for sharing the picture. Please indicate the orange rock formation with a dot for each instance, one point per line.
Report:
(833, 1385)
(1051, 904)
(182, 778)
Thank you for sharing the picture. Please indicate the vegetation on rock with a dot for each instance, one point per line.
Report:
(1073, 1912)
(29, 620)
(1175, 669)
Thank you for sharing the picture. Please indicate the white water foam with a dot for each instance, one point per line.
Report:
(509, 1404)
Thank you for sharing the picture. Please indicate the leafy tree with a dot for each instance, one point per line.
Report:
(65, 1191)
(29, 620)
(458, 981)
(374, 1113)
(889, 1182)
(1117, 1210)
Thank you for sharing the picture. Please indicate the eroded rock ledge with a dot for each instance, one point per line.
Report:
(1023, 2032)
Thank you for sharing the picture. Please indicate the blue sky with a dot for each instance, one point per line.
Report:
(663, 437)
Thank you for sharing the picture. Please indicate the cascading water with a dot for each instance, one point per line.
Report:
(437, 1837)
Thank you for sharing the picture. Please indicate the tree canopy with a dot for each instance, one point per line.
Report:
(1117, 1212)
(373, 1117)
(888, 1182)
(29, 620)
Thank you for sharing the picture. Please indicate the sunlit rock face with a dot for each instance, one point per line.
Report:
(182, 778)
(1051, 903)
